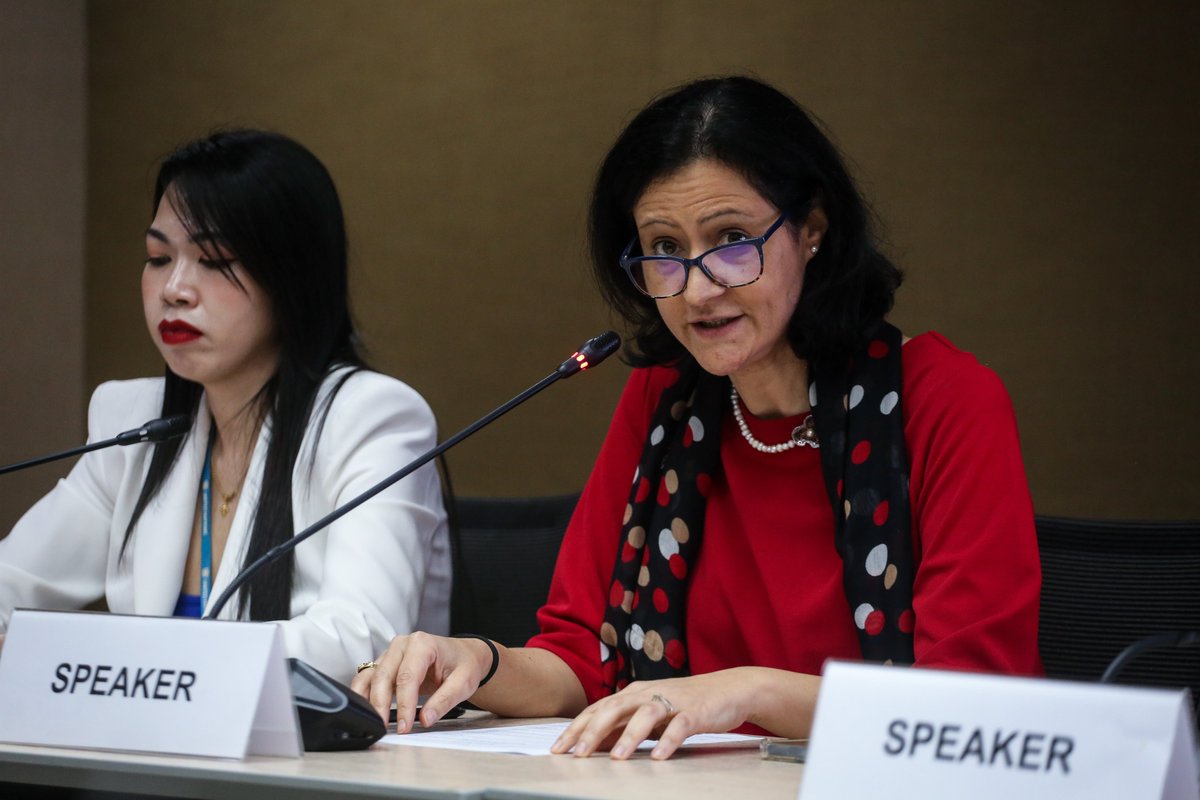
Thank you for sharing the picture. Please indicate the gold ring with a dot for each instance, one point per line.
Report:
(658, 698)
(366, 665)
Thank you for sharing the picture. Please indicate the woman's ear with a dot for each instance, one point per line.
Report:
(812, 232)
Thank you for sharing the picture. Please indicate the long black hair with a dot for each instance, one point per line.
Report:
(273, 204)
(767, 137)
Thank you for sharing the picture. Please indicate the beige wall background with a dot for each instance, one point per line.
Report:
(43, 148)
(1034, 165)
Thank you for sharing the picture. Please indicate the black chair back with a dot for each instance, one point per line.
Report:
(1108, 584)
(503, 551)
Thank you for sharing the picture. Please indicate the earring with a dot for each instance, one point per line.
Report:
(814, 249)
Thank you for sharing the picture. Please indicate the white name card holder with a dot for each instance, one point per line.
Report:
(891, 732)
(146, 684)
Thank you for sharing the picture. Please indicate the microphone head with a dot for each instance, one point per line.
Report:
(159, 430)
(600, 347)
(590, 353)
(156, 430)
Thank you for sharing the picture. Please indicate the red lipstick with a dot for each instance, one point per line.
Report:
(175, 331)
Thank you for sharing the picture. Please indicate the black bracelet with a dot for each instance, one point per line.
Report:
(491, 646)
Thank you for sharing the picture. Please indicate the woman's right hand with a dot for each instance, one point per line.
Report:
(447, 670)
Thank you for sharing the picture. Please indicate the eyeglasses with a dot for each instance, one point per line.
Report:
(730, 265)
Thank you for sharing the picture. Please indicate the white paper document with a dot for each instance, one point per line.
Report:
(529, 740)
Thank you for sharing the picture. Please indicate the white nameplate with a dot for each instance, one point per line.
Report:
(146, 684)
(954, 734)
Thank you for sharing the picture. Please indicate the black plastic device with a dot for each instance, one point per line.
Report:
(332, 715)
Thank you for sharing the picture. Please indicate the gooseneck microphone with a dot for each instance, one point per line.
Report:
(156, 430)
(1154, 642)
(591, 353)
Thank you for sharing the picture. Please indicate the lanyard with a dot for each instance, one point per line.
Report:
(206, 527)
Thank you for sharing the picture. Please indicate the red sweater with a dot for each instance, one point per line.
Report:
(766, 589)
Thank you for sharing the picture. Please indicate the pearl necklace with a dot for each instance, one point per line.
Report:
(804, 434)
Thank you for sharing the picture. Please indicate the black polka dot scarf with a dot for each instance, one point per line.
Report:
(865, 464)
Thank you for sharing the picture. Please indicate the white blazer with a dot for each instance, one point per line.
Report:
(382, 569)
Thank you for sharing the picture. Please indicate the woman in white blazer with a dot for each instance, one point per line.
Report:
(245, 295)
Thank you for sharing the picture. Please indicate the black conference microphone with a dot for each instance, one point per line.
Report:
(156, 430)
(332, 716)
(591, 353)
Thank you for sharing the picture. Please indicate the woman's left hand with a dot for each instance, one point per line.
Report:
(668, 710)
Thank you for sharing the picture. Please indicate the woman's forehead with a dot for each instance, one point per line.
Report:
(704, 189)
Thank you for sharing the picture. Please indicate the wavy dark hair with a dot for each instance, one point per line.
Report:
(766, 136)
(273, 204)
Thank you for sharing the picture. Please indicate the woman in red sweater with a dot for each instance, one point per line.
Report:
(787, 477)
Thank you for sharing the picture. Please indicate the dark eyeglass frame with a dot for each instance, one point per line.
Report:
(628, 262)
